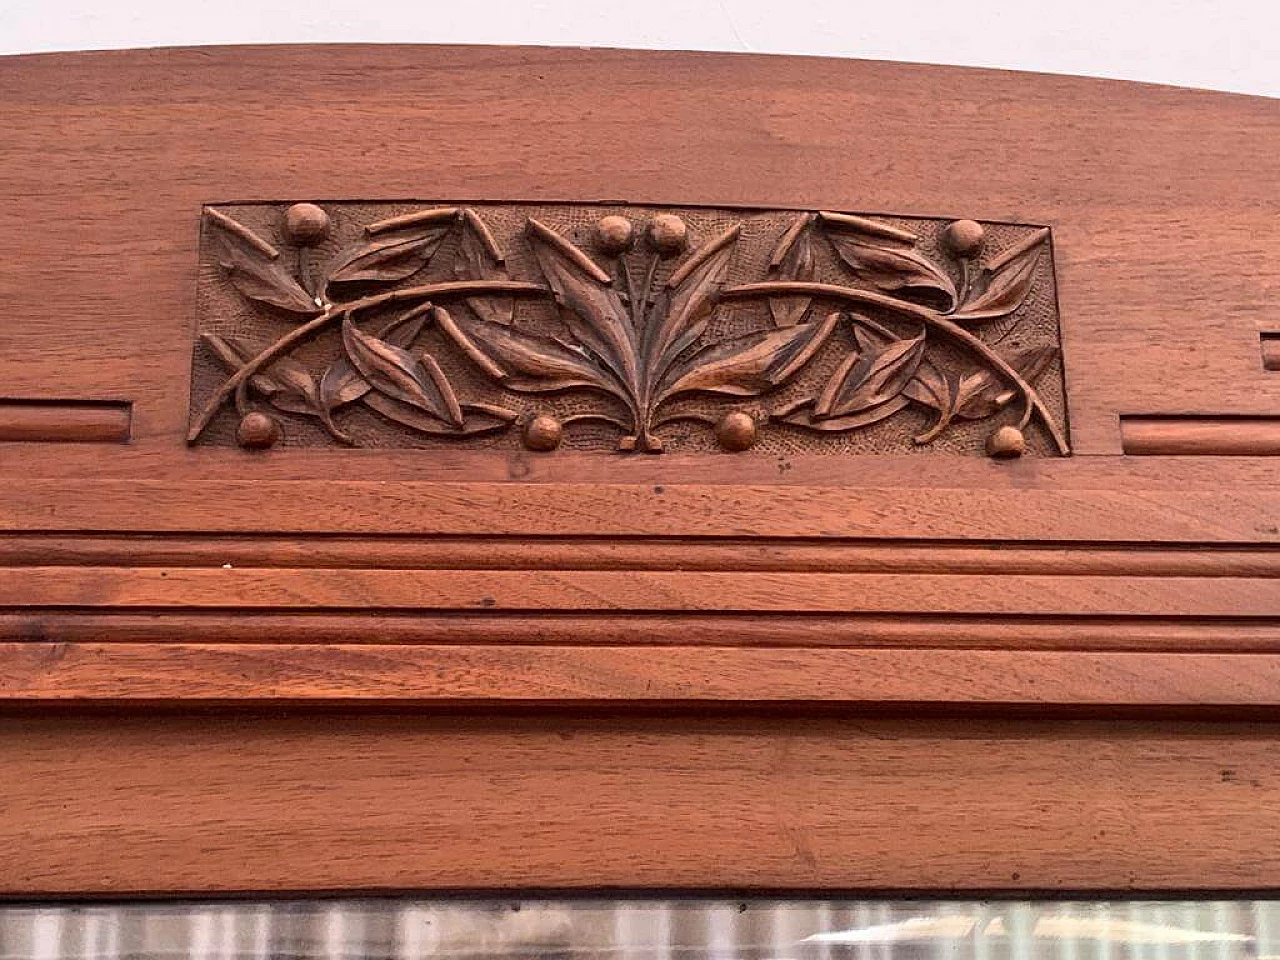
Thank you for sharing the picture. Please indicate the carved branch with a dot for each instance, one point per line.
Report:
(335, 313)
(932, 318)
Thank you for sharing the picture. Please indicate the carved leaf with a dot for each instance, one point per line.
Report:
(868, 378)
(524, 362)
(253, 266)
(342, 383)
(895, 268)
(930, 387)
(390, 257)
(792, 259)
(983, 393)
(286, 383)
(299, 392)
(682, 310)
(1004, 286)
(479, 258)
(476, 419)
(593, 311)
(395, 373)
(750, 365)
(802, 415)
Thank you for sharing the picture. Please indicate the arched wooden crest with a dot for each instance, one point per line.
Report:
(472, 468)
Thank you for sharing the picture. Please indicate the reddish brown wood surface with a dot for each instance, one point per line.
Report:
(110, 805)
(1160, 237)
(149, 570)
(63, 422)
(543, 673)
(1201, 436)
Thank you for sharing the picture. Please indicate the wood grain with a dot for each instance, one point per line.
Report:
(230, 803)
(1200, 436)
(490, 673)
(410, 552)
(65, 421)
(1271, 351)
(777, 589)
(627, 590)
(1124, 513)
(1159, 238)
(1166, 635)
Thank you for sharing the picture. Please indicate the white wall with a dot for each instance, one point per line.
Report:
(1221, 44)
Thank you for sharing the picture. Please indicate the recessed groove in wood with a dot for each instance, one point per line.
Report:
(523, 674)
(1270, 351)
(65, 421)
(676, 591)
(1200, 436)
(1149, 634)
(567, 553)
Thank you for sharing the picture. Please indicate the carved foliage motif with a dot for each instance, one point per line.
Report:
(816, 325)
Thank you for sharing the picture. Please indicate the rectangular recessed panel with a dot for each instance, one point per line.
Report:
(1207, 436)
(65, 421)
(628, 328)
(1271, 351)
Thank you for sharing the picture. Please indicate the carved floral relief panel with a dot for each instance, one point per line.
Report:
(624, 328)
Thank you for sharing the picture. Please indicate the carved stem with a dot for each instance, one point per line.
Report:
(600, 417)
(630, 283)
(337, 312)
(930, 317)
(230, 386)
(645, 407)
(783, 288)
(438, 291)
(1032, 398)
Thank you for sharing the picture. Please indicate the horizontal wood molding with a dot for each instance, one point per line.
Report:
(798, 555)
(490, 673)
(815, 645)
(625, 590)
(1166, 635)
(1160, 515)
(117, 804)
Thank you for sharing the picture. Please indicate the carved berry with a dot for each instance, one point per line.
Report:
(736, 431)
(964, 238)
(257, 431)
(668, 234)
(305, 224)
(1006, 442)
(614, 234)
(543, 433)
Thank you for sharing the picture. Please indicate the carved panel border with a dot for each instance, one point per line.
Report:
(626, 328)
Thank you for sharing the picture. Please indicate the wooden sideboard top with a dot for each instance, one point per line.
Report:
(720, 414)
(590, 348)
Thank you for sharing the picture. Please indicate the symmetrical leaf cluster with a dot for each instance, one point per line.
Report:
(641, 353)
(639, 346)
